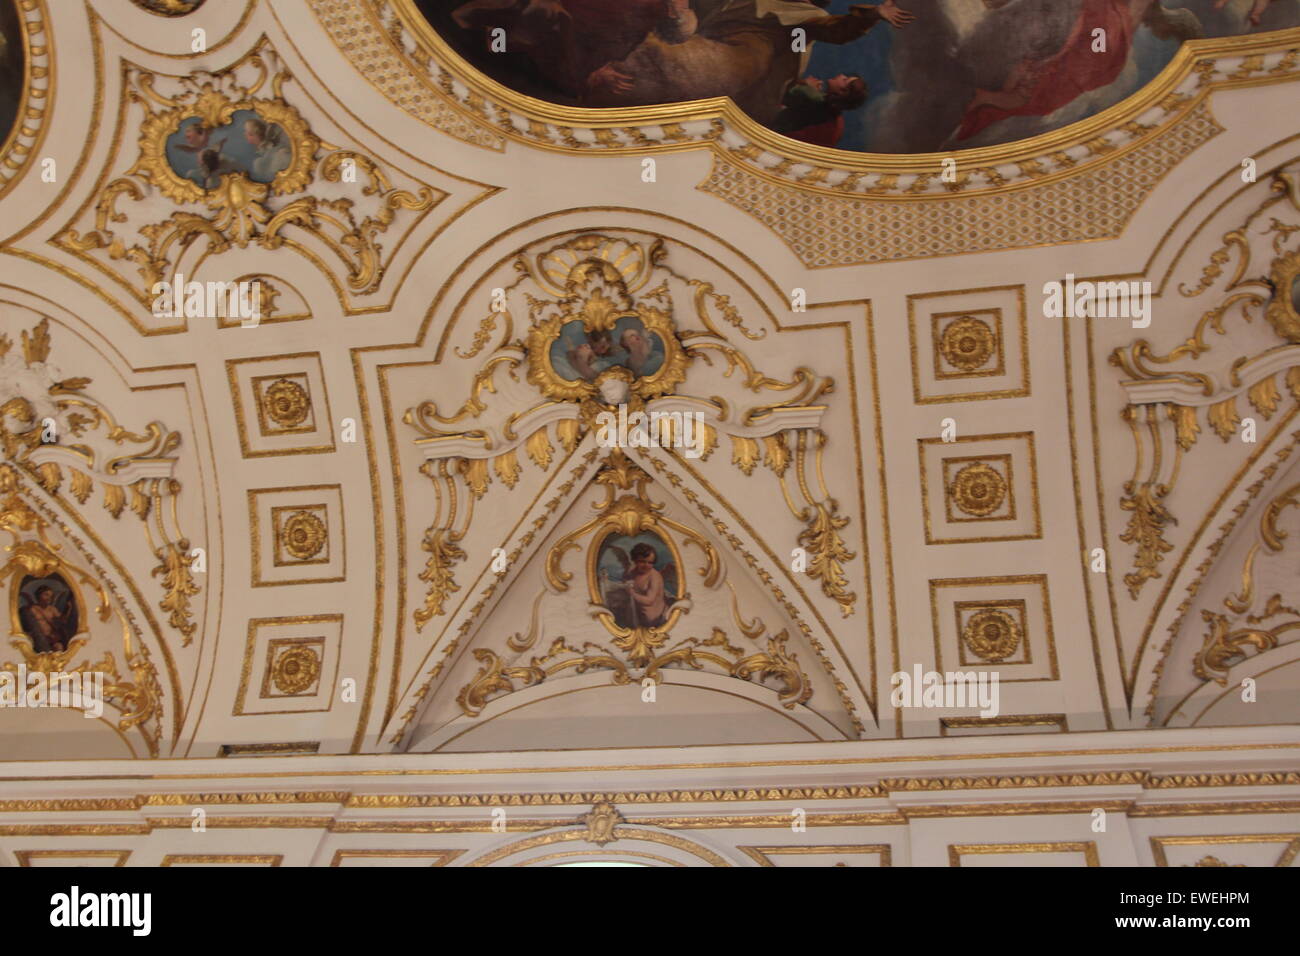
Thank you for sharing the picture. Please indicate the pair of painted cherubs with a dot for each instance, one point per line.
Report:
(599, 344)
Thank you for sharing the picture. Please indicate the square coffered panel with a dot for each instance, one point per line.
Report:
(280, 405)
(855, 854)
(297, 535)
(1010, 724)
(994, 624)
(1227, 849)
(969, 344)
(78, 858)
(1023, 854)
(980, 488)
(222, 859)
(394, 857)
(290, 664)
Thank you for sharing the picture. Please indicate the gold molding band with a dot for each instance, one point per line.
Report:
(881, 790)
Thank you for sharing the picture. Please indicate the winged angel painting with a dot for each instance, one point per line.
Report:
(47, 611)
(896, 76)
(638, 579)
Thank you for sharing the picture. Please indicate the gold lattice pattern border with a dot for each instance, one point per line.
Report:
(358, 35)
(824, 229)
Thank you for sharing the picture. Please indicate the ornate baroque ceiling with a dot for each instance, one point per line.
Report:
(380, 520)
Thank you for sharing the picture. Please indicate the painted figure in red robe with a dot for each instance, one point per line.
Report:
(1086, 61)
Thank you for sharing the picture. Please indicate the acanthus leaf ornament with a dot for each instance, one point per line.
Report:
(492, 679)
(32, 554)
(1233, 635)
(602, 823)
(173, 570)
(135, 470)
(1225, 647)
(1165, 397)
(635, 653)
(600, 336)
(230, 201)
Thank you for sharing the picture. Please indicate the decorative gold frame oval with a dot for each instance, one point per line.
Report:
(630, 514)
(32, 559)
(598, 313)
(214, 109)
(1281, 312)
(635, 640)
(543, 374)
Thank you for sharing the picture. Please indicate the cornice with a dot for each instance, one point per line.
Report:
(1145, 767)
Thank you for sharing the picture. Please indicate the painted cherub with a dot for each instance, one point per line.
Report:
(197, 137)
(47, 617)
(638, 349)
(272, 154)
(592, 357)
(581, 358)
(647, 586)
(602, 343)
(212, 165)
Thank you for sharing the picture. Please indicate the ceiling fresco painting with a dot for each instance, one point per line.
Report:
(653, 432)
(896, 76)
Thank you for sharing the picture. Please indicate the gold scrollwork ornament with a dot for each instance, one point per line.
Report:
(1283, 311)
(239, 210)
(597, 296)
(214, 109)
(628, 515)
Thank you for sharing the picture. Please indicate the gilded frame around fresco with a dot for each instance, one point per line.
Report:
(215, 109)
(1027, 154)
(630, 514)
(542, 372)
(33, 559)
(609, 529)
(598, 295)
